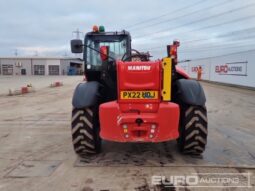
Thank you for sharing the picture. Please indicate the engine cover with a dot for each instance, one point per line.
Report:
(139, 114)
(135, 77)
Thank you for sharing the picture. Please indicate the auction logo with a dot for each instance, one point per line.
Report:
(234, 68)
(204, 180)
(194, 69)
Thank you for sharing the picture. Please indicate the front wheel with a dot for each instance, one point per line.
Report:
(193, 129)
(85, 131)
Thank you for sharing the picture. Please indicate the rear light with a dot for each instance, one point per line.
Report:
(153, 126)
(173, 51)
(95, 28)
(101, 29)
(98, 29)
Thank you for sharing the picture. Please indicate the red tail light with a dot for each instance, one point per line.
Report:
(173, 51)
(95, 28)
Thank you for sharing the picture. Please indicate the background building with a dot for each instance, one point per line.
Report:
(40, 66)
(237, 68)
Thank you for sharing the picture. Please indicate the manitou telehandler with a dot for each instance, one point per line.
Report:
(134, 101)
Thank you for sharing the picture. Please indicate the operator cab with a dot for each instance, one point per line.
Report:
(119, 44)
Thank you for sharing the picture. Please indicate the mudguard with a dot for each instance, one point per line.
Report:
(182, 72)
(190, 92)
(85, 94)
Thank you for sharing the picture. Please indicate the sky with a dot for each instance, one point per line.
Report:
(203, 27)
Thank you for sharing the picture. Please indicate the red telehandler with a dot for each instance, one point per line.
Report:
(134, 101)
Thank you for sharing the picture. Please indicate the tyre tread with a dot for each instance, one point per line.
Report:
(83, 137)
(193, 130)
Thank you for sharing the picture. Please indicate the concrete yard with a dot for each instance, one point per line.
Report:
(38, 82)
(36, 149)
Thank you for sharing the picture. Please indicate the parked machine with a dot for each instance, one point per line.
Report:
(134, 101)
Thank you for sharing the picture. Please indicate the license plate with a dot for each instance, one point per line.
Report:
(138, 95)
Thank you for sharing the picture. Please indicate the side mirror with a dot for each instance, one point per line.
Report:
(76, 46)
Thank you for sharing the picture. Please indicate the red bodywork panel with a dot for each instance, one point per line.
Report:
(139, 75)
(139, 120)
(165, 120)
(182, 72)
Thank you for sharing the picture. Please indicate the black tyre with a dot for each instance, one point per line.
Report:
(85, 131)
(193, 130)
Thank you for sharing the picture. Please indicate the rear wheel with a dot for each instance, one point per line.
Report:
(193, 130)
(85, 131)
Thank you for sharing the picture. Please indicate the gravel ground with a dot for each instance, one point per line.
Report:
(36, 150)
(38, 82)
